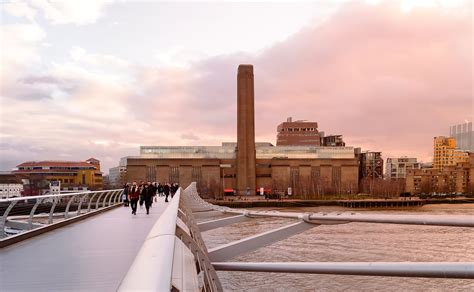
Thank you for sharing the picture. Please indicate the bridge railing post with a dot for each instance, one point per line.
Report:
(91, 199)
(98, 199)
(81, 200)
(66, 212)
(3, 219)
(32, 213)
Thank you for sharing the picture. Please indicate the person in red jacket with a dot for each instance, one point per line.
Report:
(133, 196)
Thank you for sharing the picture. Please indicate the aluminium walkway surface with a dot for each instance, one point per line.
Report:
(90, 255)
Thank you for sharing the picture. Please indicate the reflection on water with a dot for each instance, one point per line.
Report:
(354, 242)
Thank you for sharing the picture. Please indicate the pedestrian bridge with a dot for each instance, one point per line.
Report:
(88, 241)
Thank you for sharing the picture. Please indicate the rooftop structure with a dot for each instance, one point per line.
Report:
(298, 133)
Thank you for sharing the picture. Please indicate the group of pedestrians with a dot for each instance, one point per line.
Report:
(145, 193)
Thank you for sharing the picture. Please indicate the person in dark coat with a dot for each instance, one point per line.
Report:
(125, 201)
(160, 190)
(166, 190)
(147, 195)
(133, 196)
(154, 187)
(142, 199)
(174, 189)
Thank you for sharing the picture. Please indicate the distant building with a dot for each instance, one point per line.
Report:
(445, 153)
(332, 141)
(10, 190)
(450, 179)
(397, 167)
(297, 165)
(117, 176)
(8, 177)
(464, 136)
(68, 173)
(370, 164)
(426, 165)
(314, 169)
(298, 133)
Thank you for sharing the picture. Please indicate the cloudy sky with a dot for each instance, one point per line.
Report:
(97, 78)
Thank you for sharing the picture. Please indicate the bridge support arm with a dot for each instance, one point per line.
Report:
(213, 224)
(456, 270)
(236, 248)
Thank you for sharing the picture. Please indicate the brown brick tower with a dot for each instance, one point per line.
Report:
(245, 131)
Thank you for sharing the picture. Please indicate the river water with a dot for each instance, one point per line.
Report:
(353, 242)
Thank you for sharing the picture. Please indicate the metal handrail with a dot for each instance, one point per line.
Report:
(152, 268)
(52, 196)
(322, 217)
(28, 226)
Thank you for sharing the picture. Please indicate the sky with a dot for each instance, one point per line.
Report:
(96, 78)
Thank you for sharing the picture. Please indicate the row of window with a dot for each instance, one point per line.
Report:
(298, 129)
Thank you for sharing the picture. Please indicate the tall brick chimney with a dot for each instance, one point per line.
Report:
(246, 158)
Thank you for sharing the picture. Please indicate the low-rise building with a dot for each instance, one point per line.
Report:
(68, 173)
(448, 180)
(117, 176)
(304, 169)
(396, 168)
(10, 190)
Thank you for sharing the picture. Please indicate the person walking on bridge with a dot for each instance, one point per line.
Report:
(125, 200)
(142, 200)
(133, 196)
(160, 190)
(166, 190)
(147, 196)
(174, 189)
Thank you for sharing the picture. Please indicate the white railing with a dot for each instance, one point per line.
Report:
(26, 209)
(174, 256)
(152, 268)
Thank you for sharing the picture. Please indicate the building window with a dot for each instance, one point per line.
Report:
(196, 176)
(294, 177)
(336, 177)
(174, 174)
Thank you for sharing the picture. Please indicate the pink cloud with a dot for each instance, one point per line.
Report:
(386, 80)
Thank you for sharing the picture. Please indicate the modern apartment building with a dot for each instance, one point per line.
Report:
(397, 167)
(117, 176)
(445, 152)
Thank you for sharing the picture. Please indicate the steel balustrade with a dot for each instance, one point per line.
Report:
(32, 213)
(45, 201)
(396, 269)
(159, 261)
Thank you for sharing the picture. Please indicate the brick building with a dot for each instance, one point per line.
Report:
(457, 178)
(396, 168)
(68, 173)
(246, 165)
(298, 133)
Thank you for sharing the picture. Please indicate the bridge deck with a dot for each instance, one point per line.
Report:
(94, 254)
